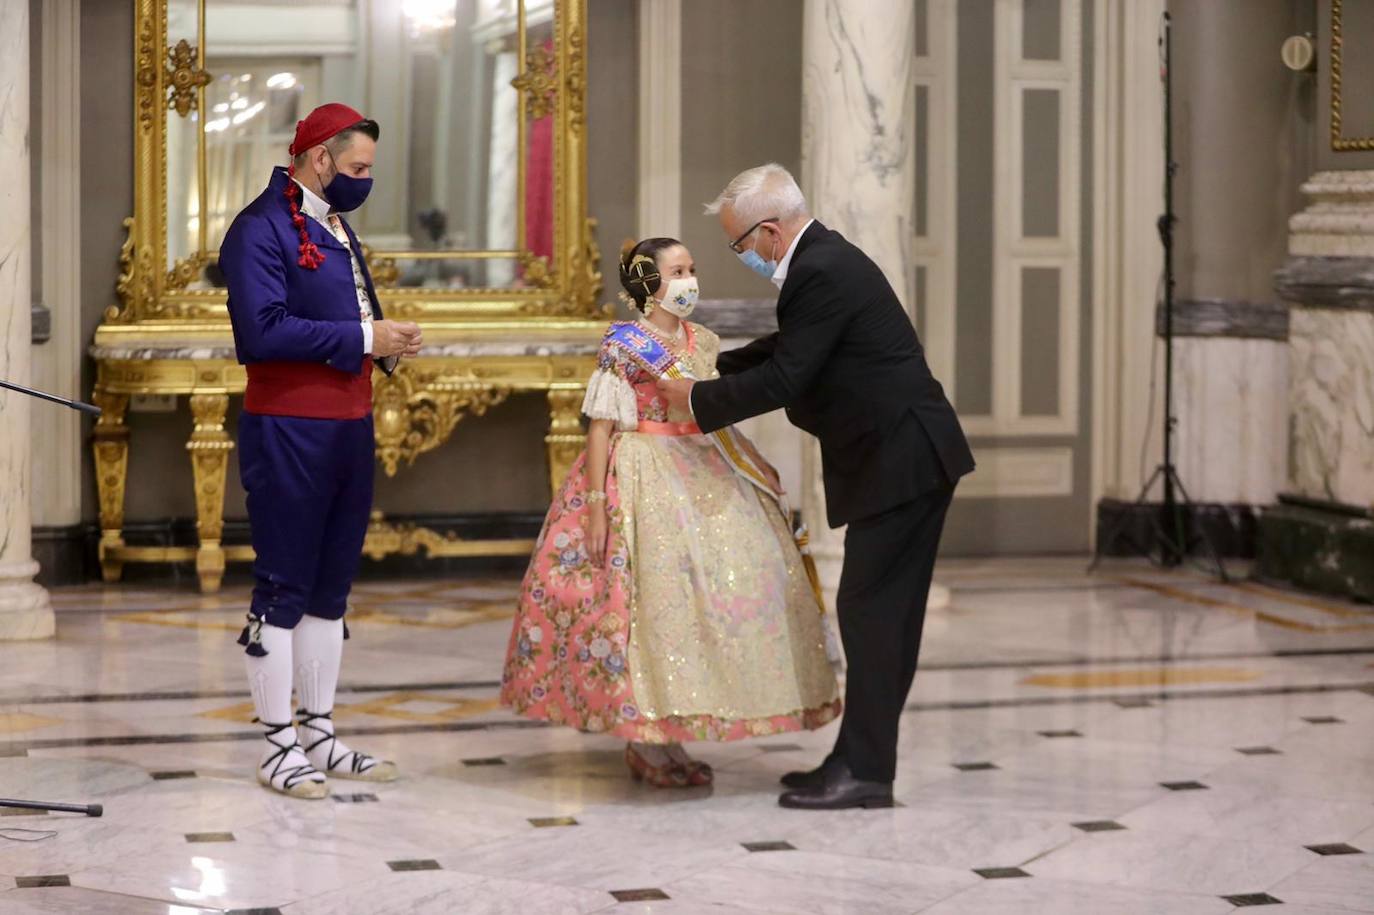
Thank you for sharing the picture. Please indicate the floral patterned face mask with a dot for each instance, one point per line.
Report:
(681, 297)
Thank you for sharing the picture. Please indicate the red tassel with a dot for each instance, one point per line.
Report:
(310, 256)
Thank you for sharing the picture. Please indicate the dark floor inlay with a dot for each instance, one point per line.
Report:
(1183, 786)
(999, 873)
(355, 798)
(1337, 848)
(1070, 733)
(1324, 719)
(639, 895)
(168, 776)
(210, 837)
(426, 864)
(487, 761)
(769, 846)
(975, 766)
(31, 883)
(253, 912)
(1245, 899)
(1132, 702)
(1258, 751)
(1098, 826)
(781, 748)
(10, 752)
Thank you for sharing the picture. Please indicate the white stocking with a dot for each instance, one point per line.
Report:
(318, 656)
(284, 766)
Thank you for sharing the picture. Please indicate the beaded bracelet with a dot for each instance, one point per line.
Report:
(594, 496)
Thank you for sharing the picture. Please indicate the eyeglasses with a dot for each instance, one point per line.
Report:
(735, 245)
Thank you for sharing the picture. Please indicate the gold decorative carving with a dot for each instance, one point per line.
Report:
(566, 439)
(134, 285)
(535, 271)
(209, 447)
(415, 411)
(383, 269)
(184, 78)
(145, 75)
(386, 539)
(586, 275)
(110, 446)
(186, 271)
(576, 80)
(539, 83)
(1340, 143)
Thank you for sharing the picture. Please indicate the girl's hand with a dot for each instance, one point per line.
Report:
(596, 534)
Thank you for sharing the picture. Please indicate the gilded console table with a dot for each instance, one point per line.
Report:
(461, 372)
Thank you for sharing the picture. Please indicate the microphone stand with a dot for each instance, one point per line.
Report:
(90, 810)
(52, 398)
(1170, 541)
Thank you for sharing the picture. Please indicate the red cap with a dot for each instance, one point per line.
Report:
(321, 124)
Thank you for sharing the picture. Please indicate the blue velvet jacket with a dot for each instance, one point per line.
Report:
(281, 311)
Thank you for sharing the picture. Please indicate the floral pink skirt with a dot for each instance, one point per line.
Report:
(701, 625)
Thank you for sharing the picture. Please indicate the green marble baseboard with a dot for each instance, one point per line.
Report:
(1328, 550)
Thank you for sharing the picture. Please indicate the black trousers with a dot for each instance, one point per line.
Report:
(888, 563)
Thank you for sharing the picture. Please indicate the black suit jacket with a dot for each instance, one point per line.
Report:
(848, 367)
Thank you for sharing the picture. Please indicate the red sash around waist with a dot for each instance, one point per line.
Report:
(308, 390)
(648, 427)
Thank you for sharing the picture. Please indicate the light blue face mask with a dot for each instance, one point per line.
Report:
(755, 262)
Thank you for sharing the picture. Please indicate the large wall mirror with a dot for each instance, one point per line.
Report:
(478, 210)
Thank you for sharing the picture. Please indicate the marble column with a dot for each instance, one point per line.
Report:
(858, 170)
(25, 612)
(1321, 535)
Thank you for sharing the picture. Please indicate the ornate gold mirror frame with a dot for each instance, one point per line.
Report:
(171, 80)
(1339, 142)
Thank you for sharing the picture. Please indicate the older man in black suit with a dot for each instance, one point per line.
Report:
(847, 366)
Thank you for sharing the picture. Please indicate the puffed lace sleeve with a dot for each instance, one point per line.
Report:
(609, 393)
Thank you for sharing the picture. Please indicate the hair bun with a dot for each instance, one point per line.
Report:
(627, 248)
(638, 271)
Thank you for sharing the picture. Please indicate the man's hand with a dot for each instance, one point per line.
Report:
(395, 338)
(678, 392)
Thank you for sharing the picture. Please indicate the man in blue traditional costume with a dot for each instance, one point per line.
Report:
(308, 327)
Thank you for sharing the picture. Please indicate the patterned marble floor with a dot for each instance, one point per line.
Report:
(1133, 741)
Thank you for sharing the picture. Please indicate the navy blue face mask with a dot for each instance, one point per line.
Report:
(346, 193)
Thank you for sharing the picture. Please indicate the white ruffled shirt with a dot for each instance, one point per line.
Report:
(318, 209)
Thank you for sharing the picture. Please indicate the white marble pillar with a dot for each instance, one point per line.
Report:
(1330, 279)
(858, 171)
(25, 612)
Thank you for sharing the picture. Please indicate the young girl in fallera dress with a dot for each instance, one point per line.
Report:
(666, 600)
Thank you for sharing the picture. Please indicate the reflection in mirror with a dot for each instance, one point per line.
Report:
(435, 74)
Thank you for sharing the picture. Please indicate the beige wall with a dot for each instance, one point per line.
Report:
(741, 106)
(1243, 129)
(107, 168)
(612, 128)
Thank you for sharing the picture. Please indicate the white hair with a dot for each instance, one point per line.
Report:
(765, 192)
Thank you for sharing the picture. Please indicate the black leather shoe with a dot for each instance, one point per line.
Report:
(813, 779)
(809, 780)
(839, 791)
